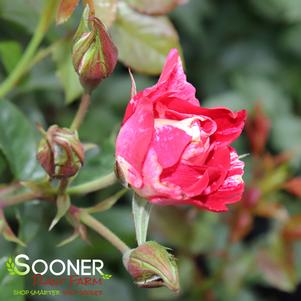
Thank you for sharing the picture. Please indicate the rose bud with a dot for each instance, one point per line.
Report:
(292, 228)
(151, 266)
(94, 55)
(258, 128)
(60, 152)
(293, 186)
(172, 151)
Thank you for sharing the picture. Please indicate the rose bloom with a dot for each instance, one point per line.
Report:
(172, 151)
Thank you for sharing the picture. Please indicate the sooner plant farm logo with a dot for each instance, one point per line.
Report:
(67, 277)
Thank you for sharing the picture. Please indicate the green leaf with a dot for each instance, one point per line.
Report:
(276, 263)
(107, 203)
(297, 251)
(65, 10)
(116, 216)
(106, 11)
(270, 94)
(143, 41)
(63, 204)
(117, 289)
(7, 232)
(141, 211)
(275, 270)
(273, 98)
(39, 187)
(236, 272)
(290, 39)
(24, 13)
(285, 10)
(154, 7)
(65, 71)
(97, 164)
(286, 135)
(10, 54)
(68, 240)
(30, 217)
(9, 235)
(17, 142)
(206, 232)
(166, 225)
(3, 166)
(2, 224)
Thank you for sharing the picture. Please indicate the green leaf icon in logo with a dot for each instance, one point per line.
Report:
(10, 265)
(105, 276)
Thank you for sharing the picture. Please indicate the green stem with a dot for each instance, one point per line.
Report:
(20, 69)
(63, 186)
(18, 199)
(85, 217)
(94, 185)
(42, 54)
(82, 111)
(97, 226)
(10, 188)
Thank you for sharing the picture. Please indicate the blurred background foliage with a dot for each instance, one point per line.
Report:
(240, 54)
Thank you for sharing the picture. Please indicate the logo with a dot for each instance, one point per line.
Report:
(57, 267)
(66, 276)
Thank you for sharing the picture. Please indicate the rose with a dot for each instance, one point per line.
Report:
(171, 151)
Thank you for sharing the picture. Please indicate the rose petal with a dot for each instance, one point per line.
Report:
(191, 180)
(217, 166)
(172, 82)
(217, 201)
(196, 154)
(134, 138)
(229, 124)
(153, 187)
(230, 192)
(131, 107)
(169, 143)
(173, 79)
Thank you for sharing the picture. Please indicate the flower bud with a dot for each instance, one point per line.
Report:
(60, 152)
(94, 55)
(151, 265)
(258, 128)
(293, 186)
(292, 228)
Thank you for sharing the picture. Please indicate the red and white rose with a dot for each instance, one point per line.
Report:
(172, 151)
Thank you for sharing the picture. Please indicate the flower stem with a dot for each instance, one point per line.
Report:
(63, 186)
(18, 199)
(85, 218)
(10, 188)
(82, 111)
(97, 226)
(43, 53)
(22, 66)
(94, 185)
